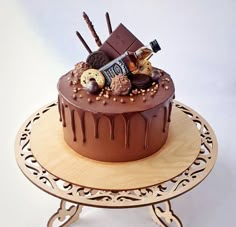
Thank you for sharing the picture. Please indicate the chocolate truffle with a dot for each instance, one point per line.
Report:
(120, 85)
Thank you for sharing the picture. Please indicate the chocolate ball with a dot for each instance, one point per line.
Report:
(80, 68)
(92, 87)
(156, 76)
(120, 85)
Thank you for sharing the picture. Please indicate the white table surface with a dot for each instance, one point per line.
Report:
(38, 44)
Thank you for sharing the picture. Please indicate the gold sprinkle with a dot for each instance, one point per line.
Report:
(139, 92)
(166, 87)
(130, 94)
(75, 90)
(132, 99)
(151, 94)
(122, 100)
(75, 82)
(114, 99)
(74, 96)
(148, 89)
(78, 88)
(152, 89)
(89, 100)
(144, 99)
(104, 102)
(135, 92)
(153, 83)
(80, 96)
(106, 96)
(98, 98)
(143, 93)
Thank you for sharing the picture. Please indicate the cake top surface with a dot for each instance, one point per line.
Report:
(106, 102)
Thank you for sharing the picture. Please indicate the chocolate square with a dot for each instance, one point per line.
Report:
(120, 41)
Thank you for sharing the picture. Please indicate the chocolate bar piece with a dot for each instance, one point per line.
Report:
(120, 40)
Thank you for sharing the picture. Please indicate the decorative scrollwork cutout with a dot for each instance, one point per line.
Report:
(129, 198)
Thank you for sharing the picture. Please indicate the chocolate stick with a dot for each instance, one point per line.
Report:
(91, 28)
(108, 23)
(83, 42)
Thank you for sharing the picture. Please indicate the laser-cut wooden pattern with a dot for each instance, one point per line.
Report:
(65, 216)
(199, 169)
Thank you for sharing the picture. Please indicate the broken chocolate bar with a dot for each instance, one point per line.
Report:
(119, 41)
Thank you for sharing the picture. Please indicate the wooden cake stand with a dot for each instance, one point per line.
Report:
(182, 163)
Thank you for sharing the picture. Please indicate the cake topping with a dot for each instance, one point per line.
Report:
(141, 81)
(80, 68)
(92, 74)
(91, 28)
(92, 87)
(119, 67)
(144, 67)
(120, 85)
(108, 23)
(156, 75)
(97, 59)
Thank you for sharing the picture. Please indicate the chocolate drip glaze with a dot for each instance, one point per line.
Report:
(72, 114)
(111, 123)
(170, 109)
(96, 119)
(147, 126)
(126, 118)
(81, 117)
(63, 115)
(165, 118)
(59, 108)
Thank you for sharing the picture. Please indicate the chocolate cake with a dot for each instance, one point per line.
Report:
(119, 109)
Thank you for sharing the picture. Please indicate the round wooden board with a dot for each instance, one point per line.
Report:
(51, 151)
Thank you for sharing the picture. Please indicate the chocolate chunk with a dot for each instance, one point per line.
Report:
(156, 76)
(141, 81)
(92, 87)
(97, 59)
(120, 41)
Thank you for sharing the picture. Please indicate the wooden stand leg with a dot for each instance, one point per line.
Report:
(164, 216)
(65, 216)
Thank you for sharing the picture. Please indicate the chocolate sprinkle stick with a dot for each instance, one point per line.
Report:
(91, 28)
(83, 42)
(108, 23)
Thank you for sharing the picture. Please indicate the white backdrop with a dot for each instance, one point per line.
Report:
(38, 44)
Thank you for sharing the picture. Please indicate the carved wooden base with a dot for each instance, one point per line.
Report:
(164, 216)
(165, 190)
(161, 213)
(65, 216)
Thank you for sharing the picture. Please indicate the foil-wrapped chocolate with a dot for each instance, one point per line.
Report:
(120, 85)
(80, 68)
